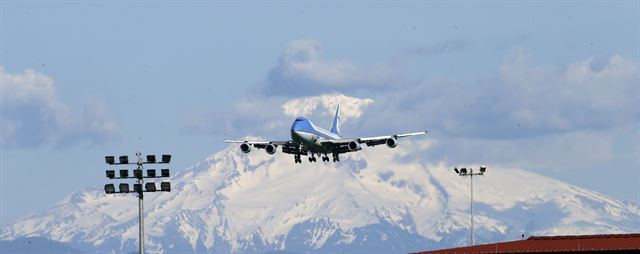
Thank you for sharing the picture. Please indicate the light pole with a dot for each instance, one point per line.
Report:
(470, 174)
(137, 188)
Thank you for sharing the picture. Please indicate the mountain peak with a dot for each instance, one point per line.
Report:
(379, 199)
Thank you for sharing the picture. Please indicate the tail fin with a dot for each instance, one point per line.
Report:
(336, 122)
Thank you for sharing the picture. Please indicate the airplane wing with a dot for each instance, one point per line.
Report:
(260, 144)
(379, 140)
(335, 146)
(287, 146)
(257, 142)
(341, 145)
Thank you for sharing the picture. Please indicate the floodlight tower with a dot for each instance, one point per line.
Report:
(470, 174)
(137, 188)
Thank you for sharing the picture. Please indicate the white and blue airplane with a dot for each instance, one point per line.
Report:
(309, 140)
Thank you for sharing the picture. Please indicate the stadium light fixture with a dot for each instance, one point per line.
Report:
(124, 188)
(470, 174)
(166, 158)
(109, 160)
(109, 188)
(151, 159)
(165, 186)
(124, 159)
(138, 186)
(150, 187)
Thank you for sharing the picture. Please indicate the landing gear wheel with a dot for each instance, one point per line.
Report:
(297, 158)
(336, 157)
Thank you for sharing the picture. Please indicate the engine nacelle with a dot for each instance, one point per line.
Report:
(246, 148)
(353, 146)
(392, 142)
(271, 149)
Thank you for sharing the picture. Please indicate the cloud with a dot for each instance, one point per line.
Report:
(255, 115)
(576, 96)
(520, 100)
(276, 114)
(556, 119)
(591, 70)
(32, 115)
(301, 71)
(326, 105)
(569, 117)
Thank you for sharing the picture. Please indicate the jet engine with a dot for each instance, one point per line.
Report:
(353, 146)
(392, 142)
(271, 149)
(246, 148)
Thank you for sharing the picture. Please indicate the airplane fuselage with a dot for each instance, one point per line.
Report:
(304, 132)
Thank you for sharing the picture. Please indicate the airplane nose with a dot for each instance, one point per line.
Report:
(296, 126)
(295, 135)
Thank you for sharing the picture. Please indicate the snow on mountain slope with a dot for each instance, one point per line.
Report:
(379, 200)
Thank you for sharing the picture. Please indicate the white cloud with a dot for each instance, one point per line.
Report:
(28, 86)
(301, 71)
(543, 117)
(276, 115)
(584, 94)
(524, 114)
(326, 105)
(32, 115)
(256, 115)
(590, 70)
(521, 100)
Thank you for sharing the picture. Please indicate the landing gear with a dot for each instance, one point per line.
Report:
(312, 158)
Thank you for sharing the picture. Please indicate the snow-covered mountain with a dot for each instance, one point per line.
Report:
(379, 200)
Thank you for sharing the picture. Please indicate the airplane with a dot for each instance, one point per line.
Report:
(307, 139)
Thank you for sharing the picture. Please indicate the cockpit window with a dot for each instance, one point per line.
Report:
(298, 120)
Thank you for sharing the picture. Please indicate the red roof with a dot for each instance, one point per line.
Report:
(570, 243)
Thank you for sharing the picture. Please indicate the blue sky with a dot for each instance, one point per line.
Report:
(552, 88)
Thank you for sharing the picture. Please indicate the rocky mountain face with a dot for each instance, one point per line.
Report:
(379, 200)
